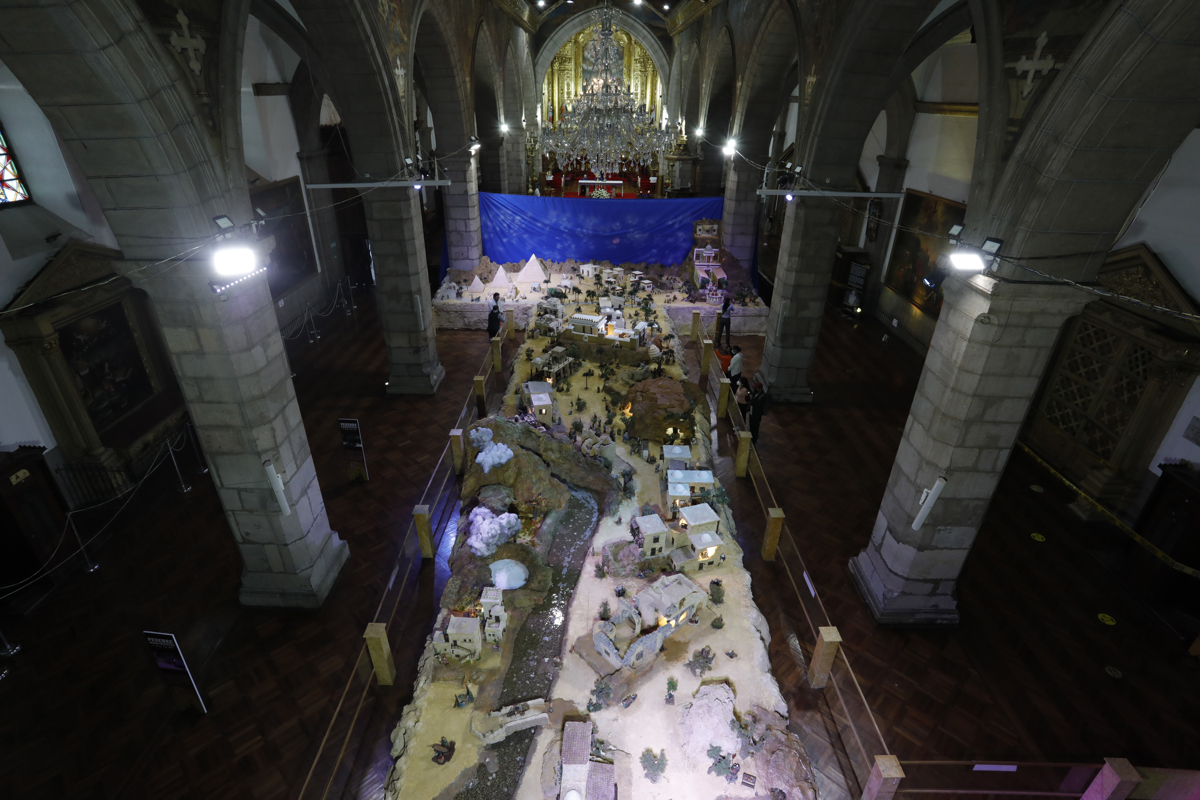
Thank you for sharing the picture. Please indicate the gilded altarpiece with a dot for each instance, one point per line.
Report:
(91, 350)
(1117, 381)
(572, 68)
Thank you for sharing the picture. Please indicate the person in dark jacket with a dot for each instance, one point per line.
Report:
(760, 403)
(493, 321)
(725, 323)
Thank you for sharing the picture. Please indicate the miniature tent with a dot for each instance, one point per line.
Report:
(476, 285)
(500, 283)
(531, 273)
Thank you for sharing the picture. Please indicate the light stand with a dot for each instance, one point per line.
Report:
(90, 566)
(9, 650)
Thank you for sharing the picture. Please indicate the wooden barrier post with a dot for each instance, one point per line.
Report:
(381, 653)
(884, 780)
(1194, 650)
(481, 395)
(497, 361)
(705, 358)
(1115, 781)
(424, 530)
(457, 449)
(771, 536)
(695, 325)
(510, 321)
(742, 465)
(723, 398)
(828, 640)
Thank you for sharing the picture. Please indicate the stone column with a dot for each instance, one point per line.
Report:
(315, 169)
(462, 212)
(808, 244)
(402, 290)
(229, 360)
(514, 160)
(991, 346)
(739, 216)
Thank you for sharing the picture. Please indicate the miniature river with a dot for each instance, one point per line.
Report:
(532, 670)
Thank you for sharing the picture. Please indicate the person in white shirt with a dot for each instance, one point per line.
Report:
(735, 366)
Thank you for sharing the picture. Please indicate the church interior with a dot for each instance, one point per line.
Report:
(595, 399)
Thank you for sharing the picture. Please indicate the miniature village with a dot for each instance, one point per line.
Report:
(704, 279)
(597, 637)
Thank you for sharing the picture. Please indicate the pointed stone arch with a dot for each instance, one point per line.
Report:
(487, 94)
(716, 116)
(578, 22)
(514, 119)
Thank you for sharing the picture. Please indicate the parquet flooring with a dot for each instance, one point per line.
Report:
(84, 715)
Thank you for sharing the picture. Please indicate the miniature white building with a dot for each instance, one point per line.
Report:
(699, 519)
(678, 452)
(670, 601)
(588, 270)
(656, 537)
(460, 638)
(587, 324)
(614, 301)
(678, 495)
(696, 479)
(495, 618)
(647, 286)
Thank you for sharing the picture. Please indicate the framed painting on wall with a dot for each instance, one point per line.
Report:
(920, 243)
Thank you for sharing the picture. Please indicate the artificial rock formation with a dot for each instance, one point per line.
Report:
(659, 404)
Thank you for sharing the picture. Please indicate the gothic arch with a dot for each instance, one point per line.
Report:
(716, 118)
(767, 83)
(445, 78)
(488, 110)
(636, 28)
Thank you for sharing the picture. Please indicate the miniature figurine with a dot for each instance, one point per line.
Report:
(443, 751)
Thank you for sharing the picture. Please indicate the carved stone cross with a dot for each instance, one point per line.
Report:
(1032, 67)
(193, 44)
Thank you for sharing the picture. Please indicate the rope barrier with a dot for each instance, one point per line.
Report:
(1125, 529)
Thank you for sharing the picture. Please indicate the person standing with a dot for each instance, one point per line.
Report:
(735, 366)
(760, 403)
(743, 397)
(725, 323)
(493, 320)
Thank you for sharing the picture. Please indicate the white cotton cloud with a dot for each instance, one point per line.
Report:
(491, 454)
(489, 531)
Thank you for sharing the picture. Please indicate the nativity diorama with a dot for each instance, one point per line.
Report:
(597, 637)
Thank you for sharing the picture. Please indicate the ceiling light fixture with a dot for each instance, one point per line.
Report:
(606, 127)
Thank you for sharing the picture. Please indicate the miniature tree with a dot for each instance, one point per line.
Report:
(718, 622)
(672, 685)
(580, 407)
(529, 354)
(605, 611)
(577, 426)
(720, 497)
(587, 375)
(722, 762)
(702, 661)
(654, 765)
(716, 592)
(750, 745)
(601, 696)
(600, 573)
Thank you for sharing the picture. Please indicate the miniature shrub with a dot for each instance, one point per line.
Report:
(719, 622)
(605, 611)
(672, 684)
(654, 765)
(716, 592)
(600, 573)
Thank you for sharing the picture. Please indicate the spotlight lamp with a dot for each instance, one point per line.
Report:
(955, 232)
(475, 145)
(730, 147)
(788, 197)
(971, 259)
(224, 222)
(699, 133)
(234, 262)
(504, 127)
(934, 279)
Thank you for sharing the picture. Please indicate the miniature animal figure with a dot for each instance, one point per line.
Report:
(443, 751)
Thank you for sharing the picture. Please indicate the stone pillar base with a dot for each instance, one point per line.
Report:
(899, 610)
(288, 590)
(422, 384)
(791, 394)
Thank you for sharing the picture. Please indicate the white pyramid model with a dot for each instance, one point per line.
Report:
(532, 272)
(500, 282)
(476, 285)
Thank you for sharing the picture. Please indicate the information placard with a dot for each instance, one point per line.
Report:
(171, 663)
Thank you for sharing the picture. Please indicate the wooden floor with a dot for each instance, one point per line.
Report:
(84, 715)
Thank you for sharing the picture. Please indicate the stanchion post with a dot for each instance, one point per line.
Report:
(510, 321)
(1116, 781)
(8, 650)
(497, 361)
(457, 449)
(828, 641)
(771, 537)
(424, 530)
(742, 465)
(723, 398)
(481, 395)
(381, 653)
(86, 559)
(705, 357)
(884, 780)
(695, 325)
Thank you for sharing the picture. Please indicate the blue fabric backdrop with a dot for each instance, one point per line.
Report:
(654, 231)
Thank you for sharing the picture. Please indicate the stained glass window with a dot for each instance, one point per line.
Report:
(12, 188)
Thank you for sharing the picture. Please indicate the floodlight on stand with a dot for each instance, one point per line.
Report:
(699, 132)
(260, 212)
(475, 145)
(955, 232)
(234, 262)
(730, 147)
(504, 127)
(224, 222)
(967, 261)
(788, 197)
(991, 247)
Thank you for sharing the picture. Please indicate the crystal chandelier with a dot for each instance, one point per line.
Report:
(605, 126)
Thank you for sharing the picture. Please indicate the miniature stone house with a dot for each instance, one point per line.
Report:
(655, 537)
(495, 618)
(694, 479)
(460, 638)
(588, 270)
(538, 397)
(583, 778)
(699, 518)
(669, 601)
(678, 452)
